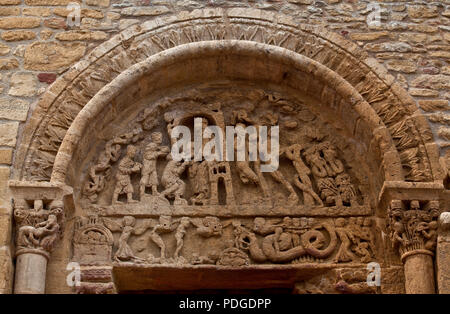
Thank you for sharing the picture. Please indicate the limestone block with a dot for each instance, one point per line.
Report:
(52, 56)
(8, 133)
(23, 84)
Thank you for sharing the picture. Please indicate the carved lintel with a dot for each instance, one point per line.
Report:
(39, 210)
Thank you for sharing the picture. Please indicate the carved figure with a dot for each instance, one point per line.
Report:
(152, 152)
(246, 173)
(344, 253)
(127, 166)
(124, 252)
(165, 225)
(41, 235)
(208, 226)
(334, 165)
(329, 192)
(199, 178)
(174, 187)
(302, 180)
(38, 228)
(318, 164)
(179, 236)
(347, 191)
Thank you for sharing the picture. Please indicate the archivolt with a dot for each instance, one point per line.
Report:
(391, 115)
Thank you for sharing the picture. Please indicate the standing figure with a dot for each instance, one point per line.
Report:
(302, 180)
(152, 152)
(124, 253)
(199, 170)
(127, 166)
(174, 187)
(199, 178)
(246, 173)
(276, 174)
(179, 236)
(165, 225)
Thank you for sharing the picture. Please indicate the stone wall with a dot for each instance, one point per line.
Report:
(37, 45)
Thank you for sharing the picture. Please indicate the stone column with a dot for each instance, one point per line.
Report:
(443, 254)
(31, 269)
(39, 216)
(411, 210)
(419, 273)
(413, 230)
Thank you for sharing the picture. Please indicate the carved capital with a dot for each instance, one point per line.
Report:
(413, 225)
(39, 211)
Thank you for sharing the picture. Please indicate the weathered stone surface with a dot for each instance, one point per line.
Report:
(49, 2)
(4, 49)
(13, 108)
(433, 105)
(8, 133)
(422, 11)
(143, 11)
(124, 23)
(404, 66)
(55, 22)
(45, 34)
(5, 11)
(81, 35)
(37, 11)
(52, 56)
(444, 132)
(398, 43)
(440, 117)
(432, 81)
(9, 2)
(443, 254)
(18, 35)
(19, 22)
(84, 13)
(8, 64)
(5, 227)
(7, 268)
(98, 3)
(368, 36)
(415, 38)
(440, 54)
(6, 155)
(389, 47)
(23, 84)
(422, 92)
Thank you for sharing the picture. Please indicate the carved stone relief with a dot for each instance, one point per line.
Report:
(249, 25)
(38, 225)
(313, 209)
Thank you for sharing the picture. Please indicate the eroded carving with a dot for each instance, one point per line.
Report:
(413, 225)
(39, 225)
